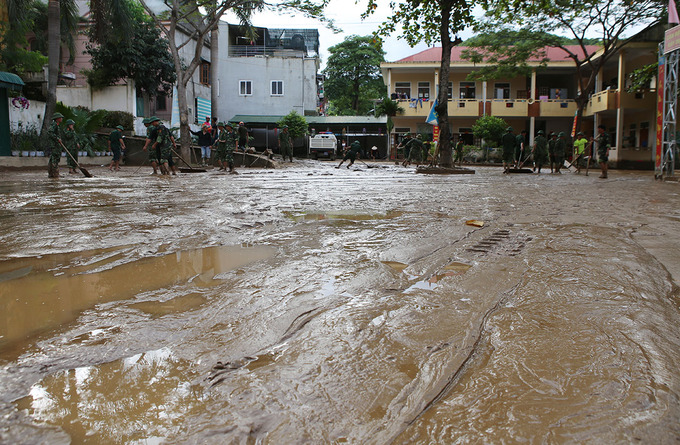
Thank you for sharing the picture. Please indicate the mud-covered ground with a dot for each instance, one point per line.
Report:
(314, 305)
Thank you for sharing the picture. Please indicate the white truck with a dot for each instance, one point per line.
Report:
(323, 146)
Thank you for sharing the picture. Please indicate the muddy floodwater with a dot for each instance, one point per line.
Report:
(316, 305)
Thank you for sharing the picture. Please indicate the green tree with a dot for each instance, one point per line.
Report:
(390, 108)
(297, 125)
(62, 20)
(429, 22)
(489, 128)
(353, 77)
(142, 55)
(17, 18)
(608, 20)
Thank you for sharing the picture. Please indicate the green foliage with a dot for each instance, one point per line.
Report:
(14, 55)
(489, 128)
(86, 123)
(114, 118)
(144, 57)
(353, 75)
(27, 139)
(508, 52)
(297, 124)
(421, 21)
(642, 77)
(388, 107)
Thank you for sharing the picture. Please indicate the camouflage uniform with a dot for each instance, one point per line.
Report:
(230, 145)
(221, 142)
(415, 147)
(603, 145)
(164, 142)
(54, 135)
(69, 139)
(285, 144)
(154, 155)
(459, 151)
(509, 143)
(540, 150)
(560, 150)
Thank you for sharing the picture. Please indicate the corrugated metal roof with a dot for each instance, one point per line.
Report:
(316, 120)
(10, 81)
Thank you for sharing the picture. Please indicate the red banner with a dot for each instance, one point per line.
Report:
(435, 133)
(659, 114)
(573, 127)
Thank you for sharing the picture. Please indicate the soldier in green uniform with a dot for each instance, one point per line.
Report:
(509, 144)
(69, 140)
(150, 136)
(560, 150)
(285, 143)
(520, 150)
(459, 150)
(540, 150)
(551, 150)
(163, 141)
(415, 151)
(351, 154)
(603, 146)
(54, 139)
(231, 141)
(405, 144)
(221, 146)
(116, 144)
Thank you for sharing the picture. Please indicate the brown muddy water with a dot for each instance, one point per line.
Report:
(313, 305)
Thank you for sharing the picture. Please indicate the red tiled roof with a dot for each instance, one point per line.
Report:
(552, 53)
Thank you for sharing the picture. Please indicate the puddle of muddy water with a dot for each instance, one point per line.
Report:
(139, 399)
(41, 298)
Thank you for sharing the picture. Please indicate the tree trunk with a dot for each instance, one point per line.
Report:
(442, 108)
(53, 53)
(214, 65)
(184, 135)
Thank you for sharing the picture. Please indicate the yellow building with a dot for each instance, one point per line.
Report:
(542, 101)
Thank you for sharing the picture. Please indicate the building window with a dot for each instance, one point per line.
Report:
(205, 73)
(424, 90)
(161, 101)
(450, 93)
(403, 90)
(245, 88)
(467, 90)
(501, 91)
(277, 88)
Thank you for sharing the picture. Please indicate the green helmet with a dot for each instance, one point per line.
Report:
(70, 121)
(509, 129)
(153, 119)
(283, 127)
(561, 135)
(229, 124)
(419, 136)
(146, 120)
(57, 116)
(580, 133)
(220, 124)
(120, 127)
(540, 132)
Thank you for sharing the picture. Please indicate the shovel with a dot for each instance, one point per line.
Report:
(86, 173)
(190, 169)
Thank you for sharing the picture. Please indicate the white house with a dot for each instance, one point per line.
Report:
(273, 75)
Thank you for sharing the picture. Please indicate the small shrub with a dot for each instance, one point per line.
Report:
(115, 118)
(27, 139)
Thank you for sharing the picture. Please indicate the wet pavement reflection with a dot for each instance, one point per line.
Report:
(313, 305)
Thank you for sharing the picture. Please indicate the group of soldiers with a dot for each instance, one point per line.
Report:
(553, 150)
(65, 140)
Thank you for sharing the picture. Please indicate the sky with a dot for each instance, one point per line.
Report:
(347, 16)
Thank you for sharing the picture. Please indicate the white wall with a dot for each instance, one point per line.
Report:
(298, 76)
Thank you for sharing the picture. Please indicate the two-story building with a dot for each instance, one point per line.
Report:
(271, 75)
(545, 100)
